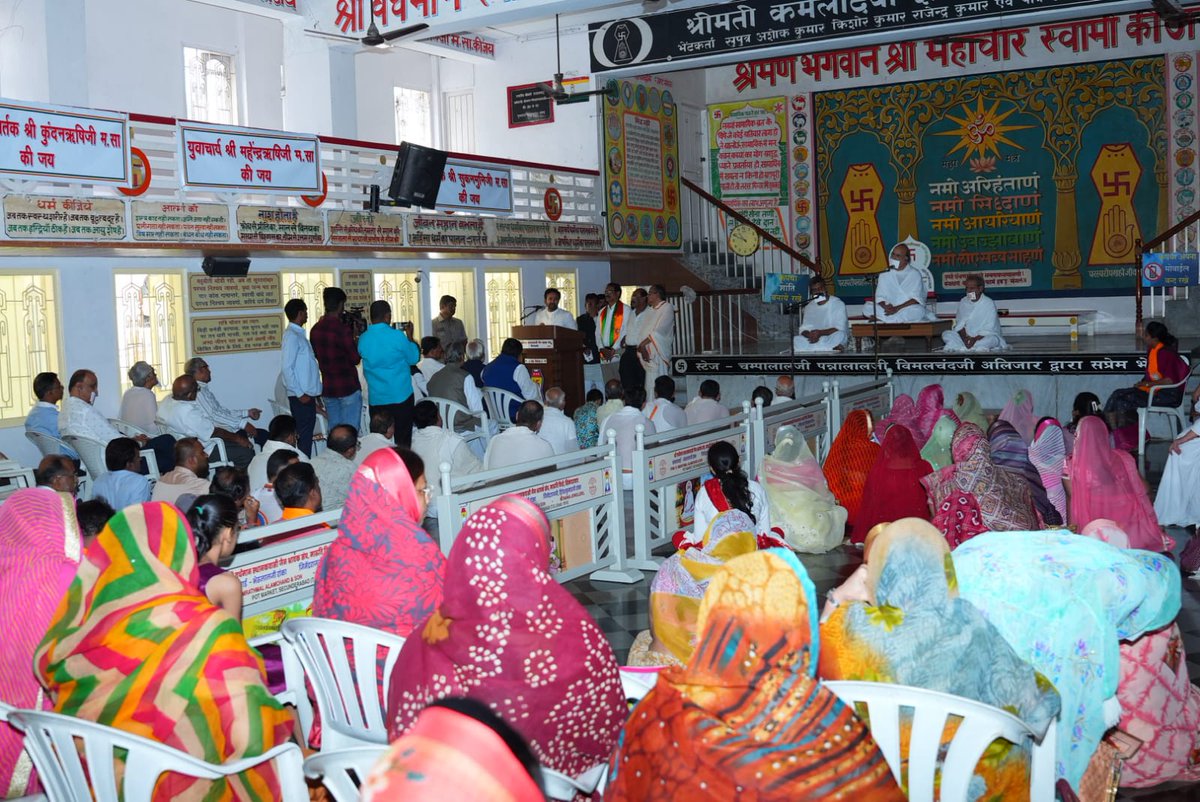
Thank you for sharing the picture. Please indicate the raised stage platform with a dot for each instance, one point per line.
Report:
(1054, 368)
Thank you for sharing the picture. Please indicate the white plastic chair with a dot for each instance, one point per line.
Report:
(5, 711)
(53, 742)
(210, 445)
(350, 699)
(128, 429)
(1176, 416)
(48, 446)
(980, 725)
(294, 692)
(497, 402)
(454, 414)
(343, 772)
(91, 452)
(562, 788)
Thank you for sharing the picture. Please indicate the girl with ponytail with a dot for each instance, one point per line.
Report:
(729, 489)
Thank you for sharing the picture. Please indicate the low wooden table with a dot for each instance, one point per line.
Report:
(926, 328)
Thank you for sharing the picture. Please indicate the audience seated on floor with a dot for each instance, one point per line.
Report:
(435, 445)
(382, 570)
(519, 444)
(1010, 452)
(509, 635)
(190, 476)
(729, 489)
(893, 489)
(268, 503)
(335, 465)
(851, 457)
(381, 435)
(43, 416)
(122, 486)
(94, 666)
(800, 503)
(706, 406)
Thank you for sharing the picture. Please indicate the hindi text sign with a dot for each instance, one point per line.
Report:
(68, 144)
(232, 335)
(787, 288)
(280, 224)
(1170, 269)
(180, 221)
(472, 188)
(359, 286)
(365, 228)
(50, 217)
(529, 104)
(226, 157)
(251, 291)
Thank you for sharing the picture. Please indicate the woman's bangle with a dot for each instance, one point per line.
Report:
(831, 600)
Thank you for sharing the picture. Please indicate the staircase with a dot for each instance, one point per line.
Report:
(1174, 305)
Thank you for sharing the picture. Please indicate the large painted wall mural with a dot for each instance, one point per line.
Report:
(1041, 179)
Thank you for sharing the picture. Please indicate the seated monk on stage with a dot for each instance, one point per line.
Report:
(825, 324)
(977, 324)
(900, 295)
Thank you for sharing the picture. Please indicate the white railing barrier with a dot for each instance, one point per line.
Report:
(282, 573)
(811, 416)
(661, 462)
(590, 483)
(875, 397)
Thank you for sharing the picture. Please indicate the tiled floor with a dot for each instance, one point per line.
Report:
(622, 612)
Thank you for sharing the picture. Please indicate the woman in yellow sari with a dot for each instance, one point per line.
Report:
(136, 646)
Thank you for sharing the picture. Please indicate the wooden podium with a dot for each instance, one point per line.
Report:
(558, 353)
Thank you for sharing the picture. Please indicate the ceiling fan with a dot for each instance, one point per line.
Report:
(555, 90)
(373, 36)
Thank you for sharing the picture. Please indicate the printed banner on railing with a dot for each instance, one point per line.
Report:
(180, 221)
(70, 144)
(229, 158)
(471, 188)
(747, 144)
(45, 217)
(641, 165)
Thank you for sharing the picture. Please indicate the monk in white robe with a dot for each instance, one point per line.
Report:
(825, 326)
(657, 330)
(900, 294)
(977, 324)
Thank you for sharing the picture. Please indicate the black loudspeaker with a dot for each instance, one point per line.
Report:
(225, 265)
(418, 176)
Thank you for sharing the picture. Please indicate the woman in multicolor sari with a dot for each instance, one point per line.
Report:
(747, 718)
(1019, 412)
(382, 570)
(929, 410)
(40, 547)
(968, 410)
(679, 585)
(1010, 453)
(1048, 453)
(914, 630)
(1159, 704)
(973, 496)
(136, 646)
(507, 634)
(851, 457)
(937, 449)
(1064, 603)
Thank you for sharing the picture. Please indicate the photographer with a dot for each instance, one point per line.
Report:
(388, 357)
(332, 340)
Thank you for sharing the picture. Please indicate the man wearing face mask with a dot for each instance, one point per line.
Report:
(977, 325)
(825, 325)
(81, 419)
(900, 296)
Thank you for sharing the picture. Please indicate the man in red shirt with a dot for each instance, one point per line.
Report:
(337, 356)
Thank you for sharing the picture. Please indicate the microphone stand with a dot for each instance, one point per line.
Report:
(875, 323)
(532, 310)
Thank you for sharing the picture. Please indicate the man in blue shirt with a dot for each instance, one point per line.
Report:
(388, 357)
(122, 486)
(44, 416)
(301, 375)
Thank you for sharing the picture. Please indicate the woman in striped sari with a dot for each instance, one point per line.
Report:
(136, 646)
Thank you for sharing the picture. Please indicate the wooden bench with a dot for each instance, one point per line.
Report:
(1016, 319)
(928, 329)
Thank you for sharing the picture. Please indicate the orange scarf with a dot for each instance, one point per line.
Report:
(610, 324)
(1152, 371)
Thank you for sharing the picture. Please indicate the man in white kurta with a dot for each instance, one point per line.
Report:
(900, 294)
(657, 330)
(625, 422)
(977, 324)
(706, 406)
(435, 444)
(663, 412)
(557, 429)
(552, 314)
(519, 444)
(825, 326)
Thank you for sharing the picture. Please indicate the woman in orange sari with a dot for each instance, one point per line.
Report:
(747, 718)
(851, 457)
(135, 645)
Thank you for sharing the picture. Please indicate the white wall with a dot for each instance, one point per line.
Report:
(87, 314)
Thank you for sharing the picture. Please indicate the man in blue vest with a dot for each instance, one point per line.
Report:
(506, 372)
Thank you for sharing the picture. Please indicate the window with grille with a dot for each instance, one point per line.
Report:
(211, 86)
(503, 307)
(151, 324)
(401, 291)
(413, 121)
(564, 282)
(29, 338)
(309, 286)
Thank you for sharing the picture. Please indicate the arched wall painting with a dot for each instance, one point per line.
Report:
(1043, 180)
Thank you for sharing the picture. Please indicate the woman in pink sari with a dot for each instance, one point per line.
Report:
(1105, 484)
(1159, 704)
(904, 413)
(1019, 412)
(382, 570)
(40, 547)
(929, 408)
(507, 634)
